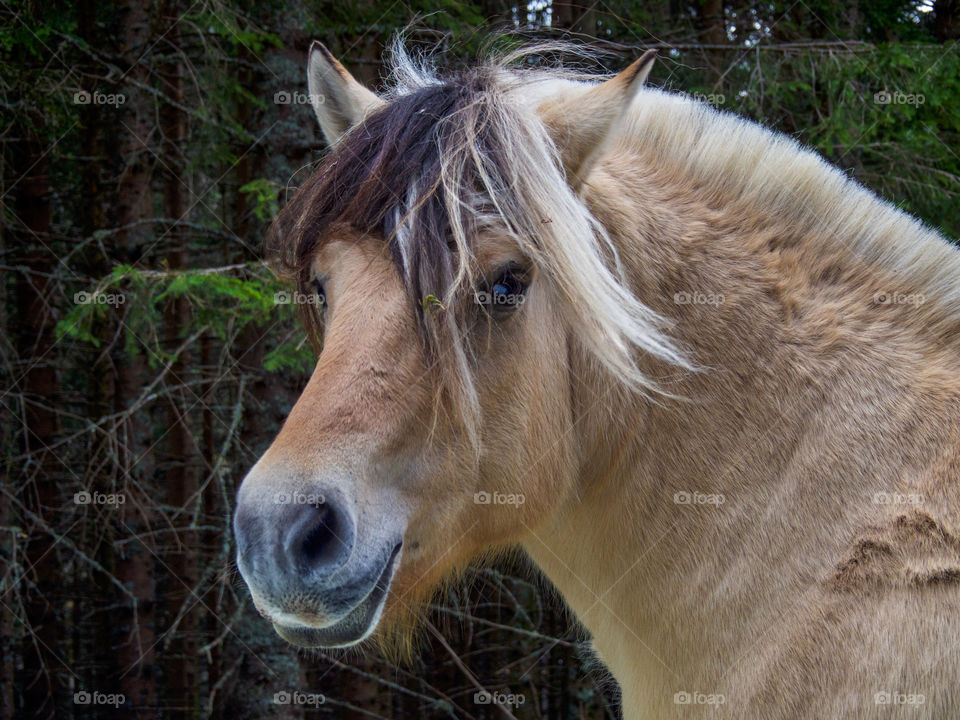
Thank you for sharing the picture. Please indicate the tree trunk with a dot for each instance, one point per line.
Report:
(713, 32)
(135, 562)
(41, 667)
(9, 645)
(946, 20)
(180, 651)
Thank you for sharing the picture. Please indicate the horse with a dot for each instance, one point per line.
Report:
(705, 381)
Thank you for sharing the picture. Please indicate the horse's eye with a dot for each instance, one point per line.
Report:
(504, 294)
(319, 291)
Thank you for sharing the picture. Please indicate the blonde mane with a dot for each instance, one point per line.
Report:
(740, 160)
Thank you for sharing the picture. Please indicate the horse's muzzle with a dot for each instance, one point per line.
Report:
(307, 571)
(358, 623)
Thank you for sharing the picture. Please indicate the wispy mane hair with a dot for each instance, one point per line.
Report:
(445, 159)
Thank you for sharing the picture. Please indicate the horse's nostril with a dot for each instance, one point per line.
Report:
(320, 538)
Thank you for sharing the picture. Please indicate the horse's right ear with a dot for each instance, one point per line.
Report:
(339, 101)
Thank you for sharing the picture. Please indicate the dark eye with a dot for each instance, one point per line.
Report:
(320, 293)
(505, 293)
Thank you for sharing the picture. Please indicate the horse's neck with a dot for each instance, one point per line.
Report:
(747, 484)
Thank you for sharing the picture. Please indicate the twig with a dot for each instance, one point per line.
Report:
(464, 669)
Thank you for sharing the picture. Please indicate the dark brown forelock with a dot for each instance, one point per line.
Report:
(386, 169)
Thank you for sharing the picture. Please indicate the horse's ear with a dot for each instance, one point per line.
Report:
(338, 99)
(580, 122)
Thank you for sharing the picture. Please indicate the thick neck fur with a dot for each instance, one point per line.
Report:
(814, 399)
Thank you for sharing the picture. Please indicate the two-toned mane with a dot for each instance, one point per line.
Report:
(724, 377)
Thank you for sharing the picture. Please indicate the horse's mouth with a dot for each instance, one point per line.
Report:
(355, 627)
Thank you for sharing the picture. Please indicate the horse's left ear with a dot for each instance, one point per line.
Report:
(581, 122)
(338, 99)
